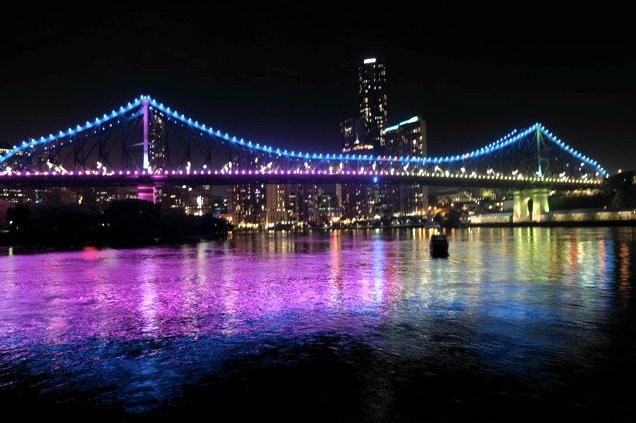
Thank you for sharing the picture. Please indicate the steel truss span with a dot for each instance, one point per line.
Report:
(147, 140)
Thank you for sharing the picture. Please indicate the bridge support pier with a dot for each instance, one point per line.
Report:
(520, 206)
(521, 199)
(540, 204)
(147, 193)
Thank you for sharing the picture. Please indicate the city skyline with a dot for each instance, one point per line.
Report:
(467, 83)
(317, 212)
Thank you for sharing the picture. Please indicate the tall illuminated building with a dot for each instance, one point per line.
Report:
(407, 138)
(373, 101)
(360, 201)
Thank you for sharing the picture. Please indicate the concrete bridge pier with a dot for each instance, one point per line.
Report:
(147, 193)
(521, 211)
(520, 206)
(540, 204)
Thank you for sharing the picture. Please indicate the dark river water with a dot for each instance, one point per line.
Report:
(520, 324)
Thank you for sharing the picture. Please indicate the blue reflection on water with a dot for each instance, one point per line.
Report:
(134, 327)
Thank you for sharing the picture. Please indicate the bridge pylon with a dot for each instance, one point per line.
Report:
(146, 129)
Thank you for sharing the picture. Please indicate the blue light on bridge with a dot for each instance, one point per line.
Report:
(61, 133)
(510, 138)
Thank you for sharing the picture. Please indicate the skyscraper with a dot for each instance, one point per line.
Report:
(407, 138)
(373, 101)
(360, 201)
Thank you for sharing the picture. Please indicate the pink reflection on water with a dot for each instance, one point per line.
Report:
(160, 292)
(280, 284)
(150, 320)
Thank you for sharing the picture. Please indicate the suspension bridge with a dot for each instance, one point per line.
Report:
(146, 143)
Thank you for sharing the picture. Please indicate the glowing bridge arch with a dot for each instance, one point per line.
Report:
(530, 156)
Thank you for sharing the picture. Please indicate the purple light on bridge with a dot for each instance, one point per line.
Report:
(62, 176)
(144, 105)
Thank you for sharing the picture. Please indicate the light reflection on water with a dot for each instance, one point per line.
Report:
(134, 326)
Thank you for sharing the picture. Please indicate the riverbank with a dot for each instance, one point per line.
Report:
(569, 218)
(549, 224)
(9, 248)
(128, 223)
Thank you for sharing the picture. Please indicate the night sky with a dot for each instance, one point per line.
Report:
(287, 75)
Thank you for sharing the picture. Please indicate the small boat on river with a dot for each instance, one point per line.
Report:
(438, 246)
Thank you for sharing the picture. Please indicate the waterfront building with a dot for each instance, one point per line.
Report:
(308, 203)
(362, 201)
(281, 205)
(359, 201)
(247, 205)
(407, 138)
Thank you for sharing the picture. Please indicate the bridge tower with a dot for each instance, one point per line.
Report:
(543, 163)
(146, 129)
(539, 140)
(146, 192)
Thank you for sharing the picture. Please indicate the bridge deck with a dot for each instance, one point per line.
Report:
(131, 178)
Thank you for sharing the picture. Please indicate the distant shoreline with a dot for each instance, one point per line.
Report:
(44, 247)
(566, 224)
(572, 224)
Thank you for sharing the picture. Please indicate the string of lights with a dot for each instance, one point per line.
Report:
(78, 129)
(503, 142)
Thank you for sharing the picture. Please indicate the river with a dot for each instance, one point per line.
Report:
(344, 326)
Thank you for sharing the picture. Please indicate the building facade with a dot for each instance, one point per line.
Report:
(281, 205)
(247, 205)
(373, 100)
(407, 138)
(352, 135)
(361, 202)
